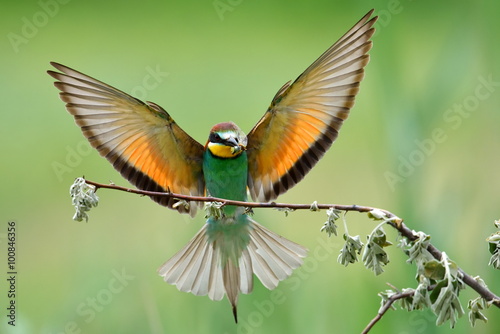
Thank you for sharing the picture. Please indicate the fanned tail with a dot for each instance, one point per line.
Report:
(204, 266)
(195, 268)
(273, 257)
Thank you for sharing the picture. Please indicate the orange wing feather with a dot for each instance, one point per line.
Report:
(140, 139)
(305, 117)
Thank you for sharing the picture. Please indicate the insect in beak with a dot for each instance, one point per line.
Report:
(237, 149)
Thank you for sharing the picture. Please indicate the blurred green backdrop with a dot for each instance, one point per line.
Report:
(430, 60)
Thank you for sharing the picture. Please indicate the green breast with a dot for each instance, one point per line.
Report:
(226, 178)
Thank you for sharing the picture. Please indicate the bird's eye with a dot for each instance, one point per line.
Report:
(215, 138)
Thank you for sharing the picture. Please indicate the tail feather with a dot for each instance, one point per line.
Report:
(200, 287)
(261, 269)
(270, 253)
(273, 257)
(246, 272)
(215, 284)
(173, 269)
(195, 268)
(231, 278)
(286, 250)
(198, 267)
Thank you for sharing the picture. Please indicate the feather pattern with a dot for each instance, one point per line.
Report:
(206, 276)
(273, 256)
(140, 139)
(305, 117)
(203, 267)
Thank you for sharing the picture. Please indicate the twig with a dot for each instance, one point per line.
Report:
(466, 278)
(386, 307)
(396, 222)
(357, 208)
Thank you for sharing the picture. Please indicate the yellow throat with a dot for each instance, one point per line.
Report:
(224, 151)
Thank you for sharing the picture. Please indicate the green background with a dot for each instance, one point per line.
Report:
(428, 58)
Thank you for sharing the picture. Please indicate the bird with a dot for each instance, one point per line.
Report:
(144, 143)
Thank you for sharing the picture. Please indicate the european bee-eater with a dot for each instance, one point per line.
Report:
(148, 148)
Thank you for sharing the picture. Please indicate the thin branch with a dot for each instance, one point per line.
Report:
(385, 308)
(396, 222)
(466, 278)
(357, 208)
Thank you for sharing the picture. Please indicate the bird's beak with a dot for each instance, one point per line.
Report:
(236, 147)
(232, 141)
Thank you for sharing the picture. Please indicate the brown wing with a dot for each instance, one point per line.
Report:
(140, 139)
(304, 118)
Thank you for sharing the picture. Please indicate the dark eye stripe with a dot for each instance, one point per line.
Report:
(215, 138)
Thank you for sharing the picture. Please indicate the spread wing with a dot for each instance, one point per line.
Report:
(305, 117)
(140, 139)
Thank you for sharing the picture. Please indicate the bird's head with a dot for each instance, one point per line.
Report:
(226, 140)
